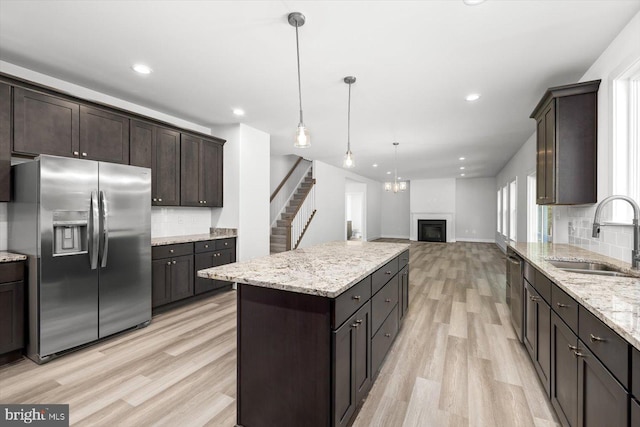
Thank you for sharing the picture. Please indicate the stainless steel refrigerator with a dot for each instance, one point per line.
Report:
(86, 229)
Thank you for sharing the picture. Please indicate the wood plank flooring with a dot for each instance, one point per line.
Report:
(456, 361)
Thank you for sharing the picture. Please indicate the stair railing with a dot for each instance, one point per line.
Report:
(301, 218)
(287, 188)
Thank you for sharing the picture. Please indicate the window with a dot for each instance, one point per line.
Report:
(626, 138)
(513, 209)
(532, 209)
(499, 212)
(505, 206)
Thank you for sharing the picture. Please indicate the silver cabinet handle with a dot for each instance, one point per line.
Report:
(355, 325)
(355, 297)
(75, 153)
(105, 228)
(84, 154)
(594, 338)
(387, 335)
(562, 305)
(155, 200)
(578, 354)
(170, 250)
(573, 348)
(387, 300)
(359, 321)
(206, 246)
(534, 298)
(387, 272)
(159, 200)
(226, 243)
(168, 262)
(205, 202)
(174, 263)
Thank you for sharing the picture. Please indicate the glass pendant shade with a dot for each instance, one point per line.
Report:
(303, 139)
(348, 160)
(403, 185)
(395, 186)
(387, 186)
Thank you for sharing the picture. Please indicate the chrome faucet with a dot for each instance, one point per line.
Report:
(635, 253)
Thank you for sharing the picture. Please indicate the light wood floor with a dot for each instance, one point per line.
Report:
(455, 362)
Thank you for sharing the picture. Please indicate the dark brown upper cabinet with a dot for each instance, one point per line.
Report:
(166, 168)
(5, 142)
(45, 124)
(201, 172)
(142, 135)
(567, 144)
(104, 136)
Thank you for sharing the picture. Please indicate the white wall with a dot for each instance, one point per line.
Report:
(246, 189)
(3, 227)
(395, 213)
(476, 209)
(280, 167)
(433, 199)
(329, 223)
(613, 241)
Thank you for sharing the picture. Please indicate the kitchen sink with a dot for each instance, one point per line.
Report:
(584, 267)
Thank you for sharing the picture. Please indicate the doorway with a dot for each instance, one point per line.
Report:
(355, 210)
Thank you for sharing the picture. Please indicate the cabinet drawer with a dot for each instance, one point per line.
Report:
(403, 259)
(608, 346)
(226, 243)
(167, 251)
(635, 413)
(565, 306)
(382, 341)
(635, 373)
(542, 285)
(383, 302)
(529, 273)
(383, 275)
(11, 271)
(350, 300)
(204, 246)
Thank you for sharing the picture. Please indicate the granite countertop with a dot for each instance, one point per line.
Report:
(216, 233)
(326, 270)
(11, 257)
(614, 300)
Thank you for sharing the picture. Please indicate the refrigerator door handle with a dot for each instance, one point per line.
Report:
(105, 228)
(93, 248)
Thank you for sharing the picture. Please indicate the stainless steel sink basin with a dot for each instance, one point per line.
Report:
(584, 267)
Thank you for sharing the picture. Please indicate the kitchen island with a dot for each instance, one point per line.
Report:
(314, 326)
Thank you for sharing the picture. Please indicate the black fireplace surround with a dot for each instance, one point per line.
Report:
(432, 230)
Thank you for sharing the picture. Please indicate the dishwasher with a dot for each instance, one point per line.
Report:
(515, 290)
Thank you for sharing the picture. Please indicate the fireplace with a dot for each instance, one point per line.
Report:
(432, 230)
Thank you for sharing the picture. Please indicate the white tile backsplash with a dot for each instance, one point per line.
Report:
(179, 221)
(4, 227)
(615, 241)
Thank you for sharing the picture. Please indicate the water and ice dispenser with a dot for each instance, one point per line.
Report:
(70, 232)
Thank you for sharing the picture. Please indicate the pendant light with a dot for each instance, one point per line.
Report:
(395, 186)
(302, 139)
(348, 157)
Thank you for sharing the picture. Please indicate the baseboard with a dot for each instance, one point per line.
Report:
(394, 237)
(469, 239)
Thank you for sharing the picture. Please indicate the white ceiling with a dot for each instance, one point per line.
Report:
(415, 61)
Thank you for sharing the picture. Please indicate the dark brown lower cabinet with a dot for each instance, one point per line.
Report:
(537, 327)
(351, 364)
(403, 292)
(208, 260)
(172, 279)
(635, 413)
(564, 371)
(602, 400)
(11, 311)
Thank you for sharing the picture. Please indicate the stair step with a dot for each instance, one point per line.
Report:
(276, 231)
(278, 238)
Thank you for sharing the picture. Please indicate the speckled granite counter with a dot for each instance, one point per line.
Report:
(218, 233)
(11, 257)
(326, 270)
(614, 300)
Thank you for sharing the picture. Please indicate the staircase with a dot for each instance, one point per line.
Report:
(281, 239)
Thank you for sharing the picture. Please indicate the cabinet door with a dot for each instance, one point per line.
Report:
(564, 372)
(141, 140)
(181, 277)
(344, 360)
(166, 167)
(5, 142)
(541, 149)
(202, 261)
(550, 153)
(160, 282)
(190, 171)
(104, 136)
(362, 369)
(11, 316)
(537, 327)
(635, 413)
(602, 401)
(405, 290)
(45, 124)
(211, 173)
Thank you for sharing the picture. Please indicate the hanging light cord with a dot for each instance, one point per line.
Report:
(395, 172)
(349, 121)
(299, 86)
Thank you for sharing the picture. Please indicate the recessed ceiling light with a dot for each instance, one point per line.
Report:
(375, 165)
(238, 112)
(473, 2)
(461, 158)
(461, 168)
(461, 174)
(473, 97)
(141, 69)
(388, 172)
